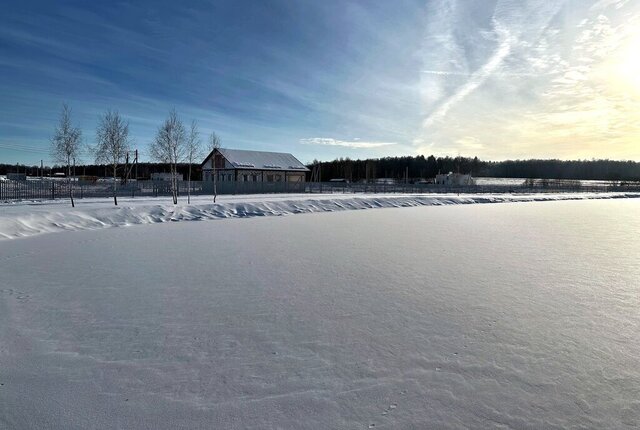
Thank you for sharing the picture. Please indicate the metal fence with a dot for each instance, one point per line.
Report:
(47, 189)
(332, 187)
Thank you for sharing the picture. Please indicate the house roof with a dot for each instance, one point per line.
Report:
(260, 160)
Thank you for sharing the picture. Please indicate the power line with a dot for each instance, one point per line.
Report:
(12, 148)
(24, 148)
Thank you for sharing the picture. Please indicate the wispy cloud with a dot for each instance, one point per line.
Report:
(477, 78)
(511, 25)
(568, 86)
(355, 143)
(602, 4)
(592, 98)
(444, 73)
(497, 79)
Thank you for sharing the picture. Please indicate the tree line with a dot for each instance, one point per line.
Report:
(140, 170)
(390, 167)
(421, 167)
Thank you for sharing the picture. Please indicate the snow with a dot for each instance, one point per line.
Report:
(31, 218)
(459, 316)
(517, 182)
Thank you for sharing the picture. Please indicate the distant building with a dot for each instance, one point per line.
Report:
(387, 181)
(236, 165)
(163, 176)
(87, 179)
(17, 176)
(454, 179)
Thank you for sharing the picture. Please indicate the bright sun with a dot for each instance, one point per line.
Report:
(628, 65)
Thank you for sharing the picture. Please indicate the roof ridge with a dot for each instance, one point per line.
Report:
(254, 150)
(262, 160)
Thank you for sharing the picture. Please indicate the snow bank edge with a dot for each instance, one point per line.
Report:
(14, 227)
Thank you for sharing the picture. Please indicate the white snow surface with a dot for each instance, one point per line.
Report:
(24, 219)
(506, 316)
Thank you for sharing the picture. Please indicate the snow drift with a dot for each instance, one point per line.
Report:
(521, 316)
(28, 219)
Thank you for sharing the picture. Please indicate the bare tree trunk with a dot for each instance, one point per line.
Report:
(174, 183)
(189, 186)
(73, 205)
(115, 185)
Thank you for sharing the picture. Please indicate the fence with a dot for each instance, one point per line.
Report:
(47, 189)
(332, 187)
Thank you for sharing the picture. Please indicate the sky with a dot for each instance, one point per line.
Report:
(497, 79)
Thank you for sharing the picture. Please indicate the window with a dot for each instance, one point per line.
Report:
(269, 178)
(219, 161)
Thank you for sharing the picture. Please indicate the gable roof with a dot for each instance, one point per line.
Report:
(260, 160)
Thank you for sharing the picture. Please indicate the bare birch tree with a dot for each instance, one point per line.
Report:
(214, 145)
(65, 144)
(112, 136)
(169, 147)
(193, 152)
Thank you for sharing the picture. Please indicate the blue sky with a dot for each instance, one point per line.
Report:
(498, 79)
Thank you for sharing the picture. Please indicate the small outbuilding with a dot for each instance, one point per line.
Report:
(17, 176)
(454, 179)
(238, 165)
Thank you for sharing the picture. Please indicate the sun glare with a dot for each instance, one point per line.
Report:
(629, 65)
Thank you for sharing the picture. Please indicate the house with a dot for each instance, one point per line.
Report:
(237, 165)
(454, 179)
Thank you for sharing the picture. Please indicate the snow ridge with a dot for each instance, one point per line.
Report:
(29, 220)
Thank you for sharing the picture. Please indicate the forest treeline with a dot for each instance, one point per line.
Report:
(427, 167)
(144, 170)
(397, 168)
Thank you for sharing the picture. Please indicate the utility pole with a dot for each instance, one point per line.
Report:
(136, 161)
(41, 169)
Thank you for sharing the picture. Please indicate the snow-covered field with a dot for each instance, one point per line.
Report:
(30, 218)
(485, 181)
(460, 316)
